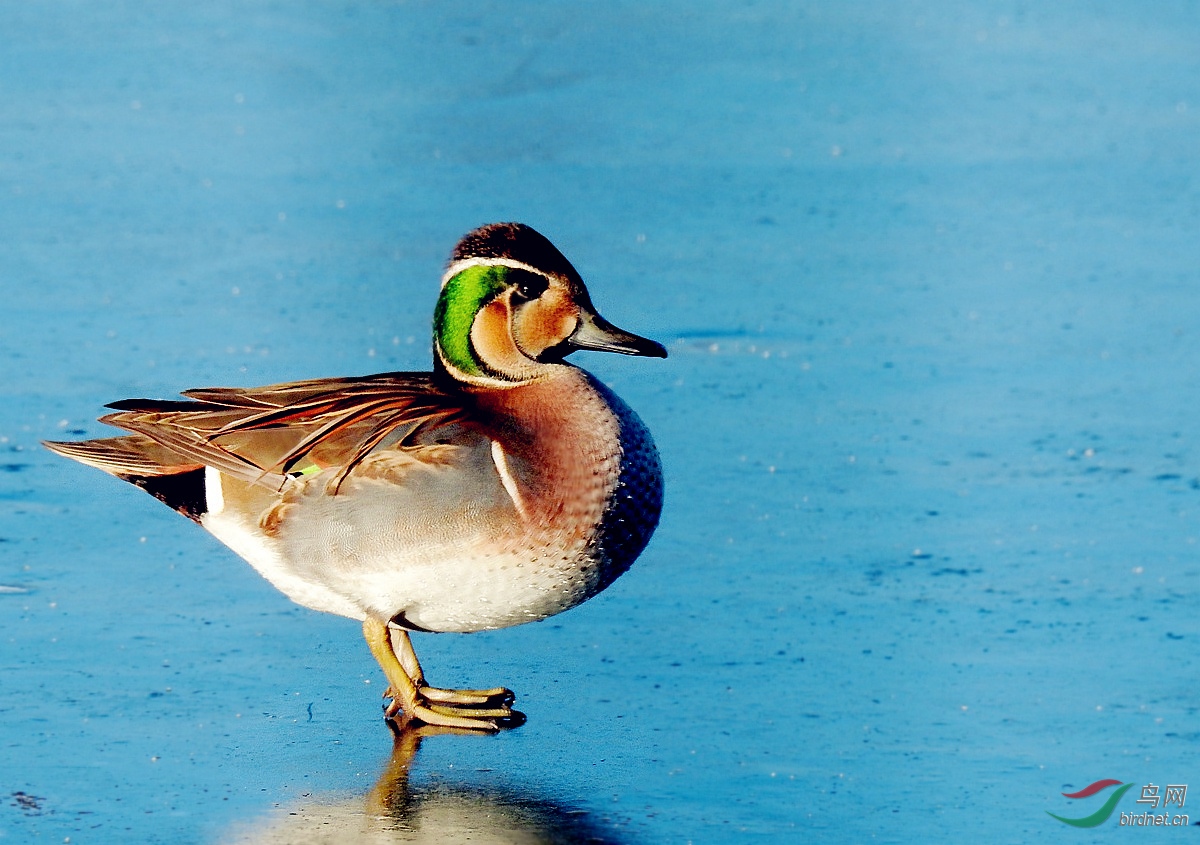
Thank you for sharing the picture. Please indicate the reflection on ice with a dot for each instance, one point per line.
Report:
(397, 811)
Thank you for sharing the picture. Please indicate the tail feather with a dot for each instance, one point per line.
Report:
(164, 474)
(133, 454)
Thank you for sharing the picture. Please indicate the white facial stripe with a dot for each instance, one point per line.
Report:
(458, 266)
(479, 380)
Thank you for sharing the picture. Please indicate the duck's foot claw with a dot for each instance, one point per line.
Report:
(403, 726)
(441, 718)
(471, 712)
(485, 710)
(487, 698)
(413, 701)
(514, 719)
(490, 721)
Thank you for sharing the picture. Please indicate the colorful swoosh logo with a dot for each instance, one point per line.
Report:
(1101, 815)
(1092, 789)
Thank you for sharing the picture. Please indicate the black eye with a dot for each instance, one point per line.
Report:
(527, 285)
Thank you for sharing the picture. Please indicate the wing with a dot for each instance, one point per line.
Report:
(261, 434)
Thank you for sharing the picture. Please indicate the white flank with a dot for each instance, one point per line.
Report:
(214, 500)
(263, 554)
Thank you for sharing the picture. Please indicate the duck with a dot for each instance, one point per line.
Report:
(504, 487)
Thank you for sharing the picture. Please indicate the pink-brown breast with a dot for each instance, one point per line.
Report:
(585, 466)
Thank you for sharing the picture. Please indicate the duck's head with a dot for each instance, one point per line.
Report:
(512, 307)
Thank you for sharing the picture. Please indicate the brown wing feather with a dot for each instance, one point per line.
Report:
(134, 454)
(260, 434)
(294, 392)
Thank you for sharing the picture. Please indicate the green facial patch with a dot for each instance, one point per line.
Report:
(462, 297)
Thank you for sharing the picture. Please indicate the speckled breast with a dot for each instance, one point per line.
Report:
(633, 508)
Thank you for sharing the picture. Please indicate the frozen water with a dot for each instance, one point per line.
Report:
(929, 277)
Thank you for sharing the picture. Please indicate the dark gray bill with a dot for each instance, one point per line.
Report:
(595, 332)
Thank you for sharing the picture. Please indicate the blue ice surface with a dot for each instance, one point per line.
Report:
(930, 279)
